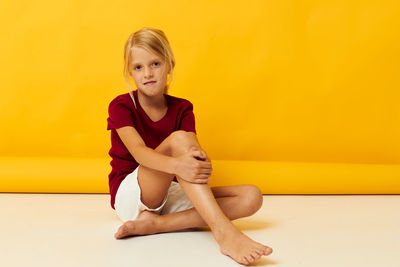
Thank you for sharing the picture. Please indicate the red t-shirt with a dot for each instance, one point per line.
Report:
(122, 113)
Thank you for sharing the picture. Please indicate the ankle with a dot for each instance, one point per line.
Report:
(223, 230)
(158, 223)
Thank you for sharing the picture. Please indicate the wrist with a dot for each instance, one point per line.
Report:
(173, 165)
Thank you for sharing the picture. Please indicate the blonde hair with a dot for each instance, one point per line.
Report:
(153, 40)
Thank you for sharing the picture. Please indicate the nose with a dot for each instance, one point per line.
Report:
(148, 73)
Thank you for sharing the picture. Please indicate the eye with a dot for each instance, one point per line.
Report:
(137, 67)
(156, 63)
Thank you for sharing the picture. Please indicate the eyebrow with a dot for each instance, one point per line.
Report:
(138, 63)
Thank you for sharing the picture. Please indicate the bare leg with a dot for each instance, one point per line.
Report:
(232, 242)
(239, 201)
(236, 202)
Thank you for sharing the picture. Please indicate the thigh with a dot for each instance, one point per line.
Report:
(127, 200)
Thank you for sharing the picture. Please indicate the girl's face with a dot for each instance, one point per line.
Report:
(148, 67)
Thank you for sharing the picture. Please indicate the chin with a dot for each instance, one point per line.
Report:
(151, 92)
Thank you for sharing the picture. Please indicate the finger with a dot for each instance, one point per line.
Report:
(206, 169)
(203, 154)
(200, 158)
(206, 165)
(195, 149)
(202, 181)
(203, 176)
(196, 153)
(205, 172)
(200, 152)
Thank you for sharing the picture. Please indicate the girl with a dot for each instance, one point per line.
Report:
(159, 176)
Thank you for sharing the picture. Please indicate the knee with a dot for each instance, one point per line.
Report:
(176, 135)
(252, 199)
(179, 137)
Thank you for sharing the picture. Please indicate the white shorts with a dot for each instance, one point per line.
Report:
(128, 204)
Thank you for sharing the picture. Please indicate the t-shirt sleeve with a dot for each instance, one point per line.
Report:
(119, 115)
(187, 122)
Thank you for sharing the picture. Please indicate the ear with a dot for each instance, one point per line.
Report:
(169, 70)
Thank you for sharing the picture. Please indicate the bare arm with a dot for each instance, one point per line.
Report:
(192, 166)
(144, 155)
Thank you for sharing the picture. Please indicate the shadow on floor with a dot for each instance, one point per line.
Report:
(240, 224)
(252, 224)
(263, 262)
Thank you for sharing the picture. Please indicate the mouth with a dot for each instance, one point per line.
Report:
(150, 83)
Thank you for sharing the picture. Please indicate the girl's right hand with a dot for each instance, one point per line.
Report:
(191, 169)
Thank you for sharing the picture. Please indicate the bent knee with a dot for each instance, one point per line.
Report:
(253, 198)
(181, 133)
(180, 136)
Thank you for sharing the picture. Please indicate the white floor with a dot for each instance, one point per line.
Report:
(311, 231)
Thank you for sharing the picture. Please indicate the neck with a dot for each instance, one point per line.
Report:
(157, 102)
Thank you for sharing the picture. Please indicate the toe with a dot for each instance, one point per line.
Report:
(244, 261)
(249, 258)
(264, 250)
(117, 235)
(260, 251)
(255, 255)
(267, 251)
(121, 231)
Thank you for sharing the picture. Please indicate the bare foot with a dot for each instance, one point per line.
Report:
(240, 247)
(145, 224)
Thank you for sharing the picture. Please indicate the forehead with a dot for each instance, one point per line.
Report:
(142, 55)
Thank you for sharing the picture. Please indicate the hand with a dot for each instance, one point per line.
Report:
(194, 166)
(204, 156)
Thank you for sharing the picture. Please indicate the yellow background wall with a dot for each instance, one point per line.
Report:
(270, 80)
